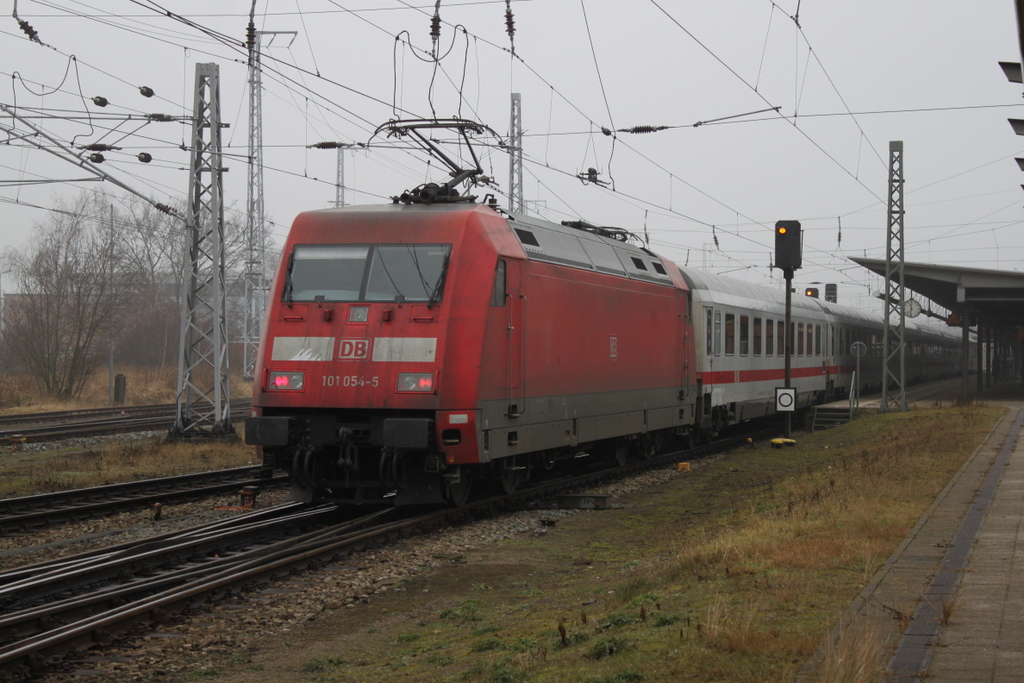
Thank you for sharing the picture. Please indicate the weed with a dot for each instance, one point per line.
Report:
(466, 612)
(481, 587)
(504, 672)
(202, 673)
(617, 621)
(948, 607)
(441, 660)
(322, 665)
(621, 677)
(489, 645)
(608, 647)
(485, 629)
(642, 599)
(523, 644)
(571, 639)
(407, 637)
(666, 619)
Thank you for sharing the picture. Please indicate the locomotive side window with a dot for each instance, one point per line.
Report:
(498, 296)
(744, 335)
(730, 334)
(709, 330)
(350, 272)
(769, 337)
(718, 333)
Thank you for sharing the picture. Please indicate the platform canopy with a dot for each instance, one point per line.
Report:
(996, 294)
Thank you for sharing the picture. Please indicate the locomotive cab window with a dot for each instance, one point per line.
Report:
(351, 272)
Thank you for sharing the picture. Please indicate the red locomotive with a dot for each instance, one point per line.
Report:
(414, 351)
(417, 351)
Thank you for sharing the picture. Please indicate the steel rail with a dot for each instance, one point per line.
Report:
(31, 512)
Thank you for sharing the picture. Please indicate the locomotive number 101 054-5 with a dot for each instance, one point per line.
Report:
(350, 381)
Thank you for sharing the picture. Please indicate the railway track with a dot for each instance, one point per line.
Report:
(54, 426)
(50, 609)
(30, 513)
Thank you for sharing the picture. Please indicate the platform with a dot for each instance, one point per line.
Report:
(948, 605)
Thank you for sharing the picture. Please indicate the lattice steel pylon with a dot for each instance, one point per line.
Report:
(894, 388)
(204, 407)
(255, 258)
(515, 156)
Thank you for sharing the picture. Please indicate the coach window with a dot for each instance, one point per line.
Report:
(810, 339)
(769, 337)
(498, 295)
(718, 333)
(817, 340)
(757, 336)
(800, 339)
(709, 329)
(730, 334)
(744, 335)
(780, 328)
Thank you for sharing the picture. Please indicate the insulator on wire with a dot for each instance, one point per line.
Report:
(145, 157)
(327, 145)
(642, 129)
(100, 101)
(435, 26)
(159, 117)
(99, 147)
(510, 25)
(146, 91)
(97, 158)
(32, 34)
(163, 208)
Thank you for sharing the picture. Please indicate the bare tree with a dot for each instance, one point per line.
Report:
(70, 291)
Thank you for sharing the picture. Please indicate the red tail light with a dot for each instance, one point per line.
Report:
(415, 382)
(286, 381)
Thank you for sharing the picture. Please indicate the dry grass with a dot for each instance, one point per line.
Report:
(855, 657)
(29, 472)
(145, 386)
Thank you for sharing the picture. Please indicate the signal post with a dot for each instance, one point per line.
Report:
(788, 257)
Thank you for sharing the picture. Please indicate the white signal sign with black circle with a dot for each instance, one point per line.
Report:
(785, 399)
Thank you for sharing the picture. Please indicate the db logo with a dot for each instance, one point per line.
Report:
(354, 349)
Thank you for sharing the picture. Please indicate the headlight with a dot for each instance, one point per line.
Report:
(286, 381)
(419, 382)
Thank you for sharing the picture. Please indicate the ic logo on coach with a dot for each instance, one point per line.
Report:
(353, 349)
(613, 347)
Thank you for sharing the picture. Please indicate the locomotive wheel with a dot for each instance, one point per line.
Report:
(458, 494)
(512, 478)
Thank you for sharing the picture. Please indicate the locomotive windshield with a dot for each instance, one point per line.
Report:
(367, 272)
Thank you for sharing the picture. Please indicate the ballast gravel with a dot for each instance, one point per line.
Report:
(235, 627)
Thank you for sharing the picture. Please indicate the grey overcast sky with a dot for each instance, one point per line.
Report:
(797, 100)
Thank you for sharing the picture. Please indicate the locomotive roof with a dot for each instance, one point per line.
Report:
(546, 241)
